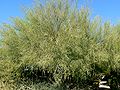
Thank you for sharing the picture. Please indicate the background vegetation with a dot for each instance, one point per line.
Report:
(57, 46)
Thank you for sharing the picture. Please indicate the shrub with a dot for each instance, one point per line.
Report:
(58, 44)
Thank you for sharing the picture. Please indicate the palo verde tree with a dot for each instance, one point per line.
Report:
(59, 43)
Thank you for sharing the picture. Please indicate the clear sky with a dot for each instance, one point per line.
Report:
(107, 9)
(12, 8)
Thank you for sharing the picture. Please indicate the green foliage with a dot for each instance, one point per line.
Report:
(57, 44)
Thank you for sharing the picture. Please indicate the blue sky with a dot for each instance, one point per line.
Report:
(12, 8)
(107, 9)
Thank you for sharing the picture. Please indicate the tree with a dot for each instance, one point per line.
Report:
(58, 44)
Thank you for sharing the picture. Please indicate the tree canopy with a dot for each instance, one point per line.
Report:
(58, 43)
